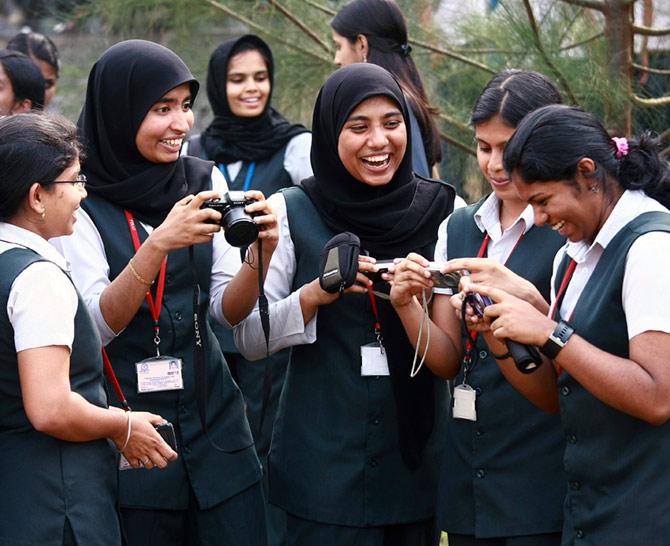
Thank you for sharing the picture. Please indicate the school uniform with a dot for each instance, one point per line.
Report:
(211, 494)
(502, 474)
(54, 492)
(615, 463)
(354, 456)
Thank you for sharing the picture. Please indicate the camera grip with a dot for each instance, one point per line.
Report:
(526, 358)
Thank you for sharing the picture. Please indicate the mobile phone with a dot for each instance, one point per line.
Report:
(166, 430)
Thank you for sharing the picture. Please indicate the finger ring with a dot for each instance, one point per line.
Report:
(145, 462)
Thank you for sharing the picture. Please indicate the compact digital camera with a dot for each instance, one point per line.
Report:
(238, 225)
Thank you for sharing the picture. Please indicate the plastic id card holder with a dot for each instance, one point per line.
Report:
(159, 373)
(373, 360)
(464, 403)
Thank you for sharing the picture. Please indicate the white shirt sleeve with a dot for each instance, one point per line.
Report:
(85, 252)
(286, 323)
(440, 254)
(645, 295)
(41, 307)
(297, 160)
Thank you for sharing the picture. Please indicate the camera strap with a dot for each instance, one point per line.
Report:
(264, 313)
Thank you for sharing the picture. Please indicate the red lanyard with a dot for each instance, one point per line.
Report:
(154, 307)
(559, 296)
(480, 254)
(561, 290)
(378, 326)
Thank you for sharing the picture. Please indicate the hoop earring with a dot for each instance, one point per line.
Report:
(365, 58)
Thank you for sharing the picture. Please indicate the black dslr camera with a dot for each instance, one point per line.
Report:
(238, 225)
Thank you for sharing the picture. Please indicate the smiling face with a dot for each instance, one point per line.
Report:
(571, 208)
(163, 129)
(247, 84)
(492, 136)
(61, 203)
(373, 141)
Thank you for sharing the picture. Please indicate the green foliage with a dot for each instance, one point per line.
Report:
(300, 35)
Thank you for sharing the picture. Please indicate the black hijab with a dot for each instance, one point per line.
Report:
(122, 86)
(391, 221)
(231, 138)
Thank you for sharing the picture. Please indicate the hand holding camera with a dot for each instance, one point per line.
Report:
(245, 217)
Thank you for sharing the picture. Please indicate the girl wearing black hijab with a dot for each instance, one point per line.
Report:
(254, 146)
(355, 448)
(147, 259)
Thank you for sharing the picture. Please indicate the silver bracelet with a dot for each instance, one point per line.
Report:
(130, 430)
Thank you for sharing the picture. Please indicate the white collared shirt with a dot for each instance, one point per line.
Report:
(646, 298)
(297, 162)
(501, 242)
(42, 302)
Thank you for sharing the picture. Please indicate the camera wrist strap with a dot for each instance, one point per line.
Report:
(378, 325)
(471, 335)
(560, 295)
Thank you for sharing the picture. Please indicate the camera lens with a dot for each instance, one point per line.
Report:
(239, 228)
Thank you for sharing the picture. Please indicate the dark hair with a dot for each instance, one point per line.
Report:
(549, 143)
(249, 44)
(33, 148)
(38, 46)
(383, 24)
(511, 94)
(27, 81)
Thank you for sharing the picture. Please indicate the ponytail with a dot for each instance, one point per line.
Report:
(642, 168)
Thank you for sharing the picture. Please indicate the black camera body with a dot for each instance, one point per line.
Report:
(238, 225)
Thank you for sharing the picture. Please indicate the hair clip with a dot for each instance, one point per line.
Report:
(405, 49)
(621, 144)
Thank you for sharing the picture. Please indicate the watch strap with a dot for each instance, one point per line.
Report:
(557, 340)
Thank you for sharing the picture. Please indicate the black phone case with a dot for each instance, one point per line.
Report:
(167, 433)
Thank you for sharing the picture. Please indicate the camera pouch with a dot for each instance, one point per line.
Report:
(339, 262)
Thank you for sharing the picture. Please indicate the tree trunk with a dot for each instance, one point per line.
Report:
(619, 38)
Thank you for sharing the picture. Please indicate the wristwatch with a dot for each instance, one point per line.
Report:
(557, 340)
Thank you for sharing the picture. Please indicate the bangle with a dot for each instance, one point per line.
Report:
(503, 356)
(130, 430)
(137, 275)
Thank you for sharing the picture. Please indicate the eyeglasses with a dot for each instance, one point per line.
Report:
(79, 182)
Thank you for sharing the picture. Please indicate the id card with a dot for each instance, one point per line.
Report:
(464, 403)
(159, 373)
(373, 360)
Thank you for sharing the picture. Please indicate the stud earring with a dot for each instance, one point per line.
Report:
(594, 189)
(365, 58)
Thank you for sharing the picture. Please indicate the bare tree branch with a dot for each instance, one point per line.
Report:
(662, 71)
(297, 22)
(583, 42)
(591, 4)
(456, 123)
(452, 55)
(262, 30)
(651, 31)
(538, 44)
(320, 7)
(651, 102)
(458, 144)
